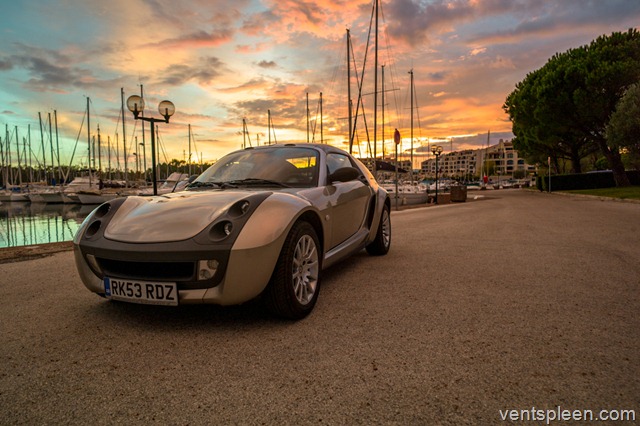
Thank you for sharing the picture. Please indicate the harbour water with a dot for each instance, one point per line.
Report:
(23, 224)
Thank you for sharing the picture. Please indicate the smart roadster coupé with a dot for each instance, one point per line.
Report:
(261, 222)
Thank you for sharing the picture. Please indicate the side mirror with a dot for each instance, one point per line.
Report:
(344, 174)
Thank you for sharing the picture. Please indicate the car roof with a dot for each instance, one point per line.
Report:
(322, 147)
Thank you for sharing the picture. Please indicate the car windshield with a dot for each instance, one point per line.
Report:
(277, 166)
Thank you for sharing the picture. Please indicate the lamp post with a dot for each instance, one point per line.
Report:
(436, 150)
(166, 108)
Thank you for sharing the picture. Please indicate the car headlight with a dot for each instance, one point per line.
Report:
(224, 228)
(228, 225)
(221, 230)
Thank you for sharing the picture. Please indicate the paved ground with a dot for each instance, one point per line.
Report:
(517, 301)
(22, 253)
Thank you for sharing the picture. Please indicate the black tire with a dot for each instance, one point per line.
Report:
(380, 245)
(293, 290)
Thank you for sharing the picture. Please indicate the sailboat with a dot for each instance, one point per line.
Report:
(94, 194)
(13, 192)
(413, 192)
(405, 192)
(50, 194)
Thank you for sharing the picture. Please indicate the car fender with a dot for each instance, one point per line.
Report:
(273, 218)
(381, 199)
(257, 248)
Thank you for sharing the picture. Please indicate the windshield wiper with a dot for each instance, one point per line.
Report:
(197, 184)
(256, 181)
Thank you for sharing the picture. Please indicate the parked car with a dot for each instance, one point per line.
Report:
(261, 222)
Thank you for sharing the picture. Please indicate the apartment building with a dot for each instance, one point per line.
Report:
(501, 159)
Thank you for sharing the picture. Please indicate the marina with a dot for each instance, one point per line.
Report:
(24, 224)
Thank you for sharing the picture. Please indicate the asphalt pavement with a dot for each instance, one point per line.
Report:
(516, 301)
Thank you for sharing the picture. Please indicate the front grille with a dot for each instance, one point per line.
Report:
(160, 271)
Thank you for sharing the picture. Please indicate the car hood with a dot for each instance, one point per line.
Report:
(172, 217)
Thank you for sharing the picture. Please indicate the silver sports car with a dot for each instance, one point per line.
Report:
(261, 222)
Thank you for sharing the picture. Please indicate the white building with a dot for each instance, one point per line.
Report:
(501, 159)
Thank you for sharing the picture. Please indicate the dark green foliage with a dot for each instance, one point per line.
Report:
(594, 180)
(562, 109)
(623, 129)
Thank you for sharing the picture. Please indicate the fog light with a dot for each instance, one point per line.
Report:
(207, 269)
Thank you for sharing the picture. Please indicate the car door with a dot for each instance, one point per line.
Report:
(348, 201)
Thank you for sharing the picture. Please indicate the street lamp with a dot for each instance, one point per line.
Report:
(135, 104)
(436, 150)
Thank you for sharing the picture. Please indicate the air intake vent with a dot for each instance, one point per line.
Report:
(152, 271)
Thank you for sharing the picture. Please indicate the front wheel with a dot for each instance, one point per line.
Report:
(293, 290)
(380, 245)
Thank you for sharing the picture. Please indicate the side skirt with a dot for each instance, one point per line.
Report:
(355, 243)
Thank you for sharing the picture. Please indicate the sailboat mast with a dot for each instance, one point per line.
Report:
(321, 121)
(375, 93)
(244, 133)
(2, 167)
(382, 69)
(60, 177)
(7, 140)
(137, 155)
(349, 91)
(99, 153)
(269, 126)
(44, 156)
(143, 138)
(18, 153)
(118, 156)
(89, 138)
(124, 138)
(486, 151)
(273, 129)
(109, 156)
(53, 173)
(31, 177)
(411, 153)
(307, 117)
(189, 149)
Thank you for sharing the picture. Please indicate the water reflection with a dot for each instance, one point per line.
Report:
(24, 224)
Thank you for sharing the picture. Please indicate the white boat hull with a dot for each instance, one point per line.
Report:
(97, 198)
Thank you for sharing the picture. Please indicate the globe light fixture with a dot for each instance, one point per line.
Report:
(166, 108)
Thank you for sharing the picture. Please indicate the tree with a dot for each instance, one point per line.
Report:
(623, 130)
(563, 108)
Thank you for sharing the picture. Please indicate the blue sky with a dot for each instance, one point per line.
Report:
(221, 61)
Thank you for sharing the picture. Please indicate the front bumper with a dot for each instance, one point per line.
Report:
(241, 275)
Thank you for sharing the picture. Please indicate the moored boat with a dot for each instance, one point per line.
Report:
(95, 196)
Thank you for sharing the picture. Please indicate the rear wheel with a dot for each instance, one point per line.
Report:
(294, 286)
(380, 245)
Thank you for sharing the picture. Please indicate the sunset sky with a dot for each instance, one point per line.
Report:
(221, 61)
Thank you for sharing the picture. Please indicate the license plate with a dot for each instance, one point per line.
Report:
(146, 292)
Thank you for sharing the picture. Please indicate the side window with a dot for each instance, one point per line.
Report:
(337, 161)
